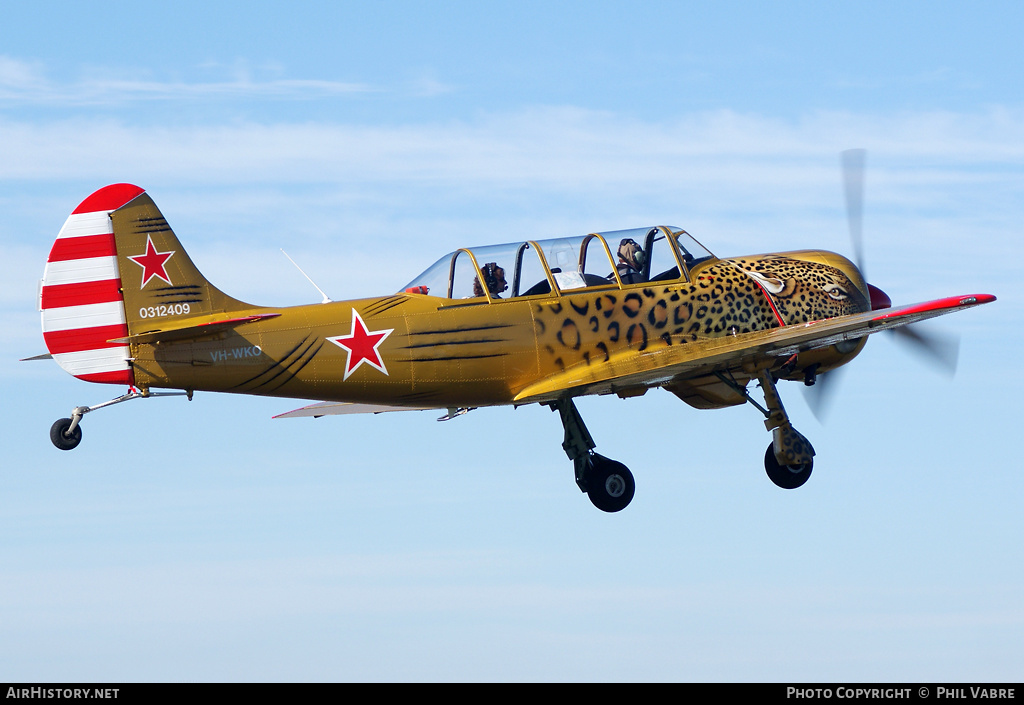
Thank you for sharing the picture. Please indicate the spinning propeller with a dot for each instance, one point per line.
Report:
(941, 351)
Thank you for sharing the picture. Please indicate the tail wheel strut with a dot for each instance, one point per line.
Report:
(66, 434)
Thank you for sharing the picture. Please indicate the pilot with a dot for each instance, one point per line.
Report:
(631, 262)
(495, 278)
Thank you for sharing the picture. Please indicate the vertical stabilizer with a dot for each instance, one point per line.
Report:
(159, 280)
(115, 270)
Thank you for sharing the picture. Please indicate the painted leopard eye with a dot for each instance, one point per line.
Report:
(835, 292)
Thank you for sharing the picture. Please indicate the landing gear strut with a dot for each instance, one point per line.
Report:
(66, 434)
(789, 458)
(608, 483)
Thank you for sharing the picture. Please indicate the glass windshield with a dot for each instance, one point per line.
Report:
(578, 262)
(692, 251)
(529, 277)
(528, 268)
(496, 264)
(434, 281)
(455, 276)
(644, 254)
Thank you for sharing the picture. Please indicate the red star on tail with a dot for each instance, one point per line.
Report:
(152, 263)
(362, 345)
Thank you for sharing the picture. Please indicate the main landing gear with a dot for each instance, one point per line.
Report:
(66, 434)
(608, 483)
(789, 458)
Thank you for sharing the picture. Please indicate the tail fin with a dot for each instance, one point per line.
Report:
(114, 267)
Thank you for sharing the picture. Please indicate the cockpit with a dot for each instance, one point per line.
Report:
(532, 268)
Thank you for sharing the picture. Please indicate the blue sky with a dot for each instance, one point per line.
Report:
(203, 541)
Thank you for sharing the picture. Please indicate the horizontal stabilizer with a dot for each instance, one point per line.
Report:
(332, 408)
(196, 330)
(44, 356)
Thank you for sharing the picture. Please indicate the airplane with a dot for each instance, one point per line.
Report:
(529, 322)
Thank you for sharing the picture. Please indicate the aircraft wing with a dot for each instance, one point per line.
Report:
(331, 408)
(703, 356)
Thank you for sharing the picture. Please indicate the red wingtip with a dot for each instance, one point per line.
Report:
(109, 198)
(938, 304)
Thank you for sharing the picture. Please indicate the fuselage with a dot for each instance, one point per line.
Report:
(413, 349)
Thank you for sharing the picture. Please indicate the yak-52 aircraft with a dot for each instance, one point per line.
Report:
(537, 321)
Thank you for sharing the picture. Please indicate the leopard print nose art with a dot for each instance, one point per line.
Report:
(725, 297)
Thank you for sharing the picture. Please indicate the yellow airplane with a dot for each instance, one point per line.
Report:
(537, 321)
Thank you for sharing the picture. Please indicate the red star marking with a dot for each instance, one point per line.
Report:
(362, 345)
(152, 263)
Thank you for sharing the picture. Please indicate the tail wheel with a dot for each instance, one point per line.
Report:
(61, 438)
(610, 484)
(788, 477)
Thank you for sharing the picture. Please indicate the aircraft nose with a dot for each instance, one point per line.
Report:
(879, 299)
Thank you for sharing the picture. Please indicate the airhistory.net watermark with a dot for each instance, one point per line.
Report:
(34, 692)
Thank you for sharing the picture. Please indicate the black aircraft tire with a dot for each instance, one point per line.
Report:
(60, 437)
(610, 484)
(788, 477)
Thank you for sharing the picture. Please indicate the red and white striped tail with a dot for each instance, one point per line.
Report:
(81, 301)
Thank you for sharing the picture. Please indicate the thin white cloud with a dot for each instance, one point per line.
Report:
(24, 82)
(565, 147)
(938, 77)
(19, 75)
(113, 90)
(427, 85)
